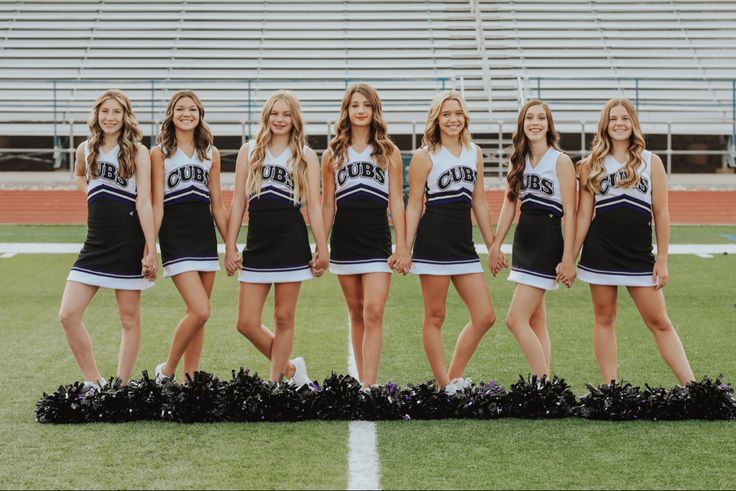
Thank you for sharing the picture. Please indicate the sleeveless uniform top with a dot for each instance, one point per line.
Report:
(360, 241)
(540, 188)
(444, 240)
(451, 181)
(618, 247)
(277, 247)
(187, 236)
(112, 252)
(538, 243)
(361, 183)
(187, 179)
(277, 185)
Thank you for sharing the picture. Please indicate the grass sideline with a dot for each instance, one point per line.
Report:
(507, 453)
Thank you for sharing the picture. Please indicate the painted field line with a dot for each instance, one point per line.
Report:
(363, 463)
(74, 248)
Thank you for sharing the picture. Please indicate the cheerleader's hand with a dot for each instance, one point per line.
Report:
(318, 265)
(233, 261)
(400, 261)
(496, 260)
(566, 273)
(149, 264)
(660, 274)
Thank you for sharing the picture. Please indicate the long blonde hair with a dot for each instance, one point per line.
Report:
(297, 141)
(602, 148)
(130, 135)
(382, 146)
(166, 138)
(431, 136)
(517, 161)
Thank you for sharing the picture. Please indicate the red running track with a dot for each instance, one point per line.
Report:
(69, 207)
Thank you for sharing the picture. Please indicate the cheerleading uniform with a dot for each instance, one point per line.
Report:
(187, 235)
(361, 238)
(277, 248)
(538, 244)
(444, 239)
(112, 252)
(618, 247)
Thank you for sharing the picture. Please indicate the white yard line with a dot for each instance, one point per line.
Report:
(72, 248)
(363, 463)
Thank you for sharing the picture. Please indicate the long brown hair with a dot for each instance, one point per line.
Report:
(166, 138)
(602, 148)
(297, 141)
(431, 136)
(128, 140)
(517, 161)
(382, 146)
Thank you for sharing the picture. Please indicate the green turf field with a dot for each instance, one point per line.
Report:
(507, 453)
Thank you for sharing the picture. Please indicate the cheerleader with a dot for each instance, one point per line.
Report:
(626, 186)
(449, 167)
(275, 173)
(186, 197)
(361, 177)
(542, 178)
(114, 170)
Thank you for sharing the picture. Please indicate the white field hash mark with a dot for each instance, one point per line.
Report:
(363, 463)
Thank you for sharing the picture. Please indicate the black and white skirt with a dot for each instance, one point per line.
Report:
(537, 250)
(618, 250)
(277, 248)
(112, 253)
(360, 241)
(444, 243)
(187, 239)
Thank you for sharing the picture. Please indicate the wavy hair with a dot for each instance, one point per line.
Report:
(520, 145)
(382, 146)
(166, 138)
(130, 136)
(431, 136)
(297, 141)
(602, 147)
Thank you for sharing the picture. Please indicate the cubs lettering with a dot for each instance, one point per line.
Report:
(277, 174)
(109, 172)
(361, 169)
(455, 175)
(187, 173)
(611, 180)
(533, 182)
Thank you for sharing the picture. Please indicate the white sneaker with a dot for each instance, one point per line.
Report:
(300, 377)
(451, 389)
(160, 377)
(461, 383)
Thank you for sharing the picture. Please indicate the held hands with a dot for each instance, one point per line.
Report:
(660, 274)
(566, 273)
(149, 264)
(400, 261)
(233, 260)
(496, 260)
(319, 264)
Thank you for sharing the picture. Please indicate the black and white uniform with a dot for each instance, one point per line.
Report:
(277, 248)
(618, 247)
(444, 239)
(538, 244)
(361, 238)
(112, 253)
(187, 234)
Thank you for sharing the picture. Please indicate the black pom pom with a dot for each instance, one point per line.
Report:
(283, 402)
(536, 398)
(483, 401)
(710, 399)
(69, 404)
(382, 402)
(243, 397)
(146, 399)
(614, 402)
(428, 401)
(659, 403)
(112, 403)
(339, 398)
(195, 401)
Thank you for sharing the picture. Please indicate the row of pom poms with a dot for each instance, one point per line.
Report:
(205, 398)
